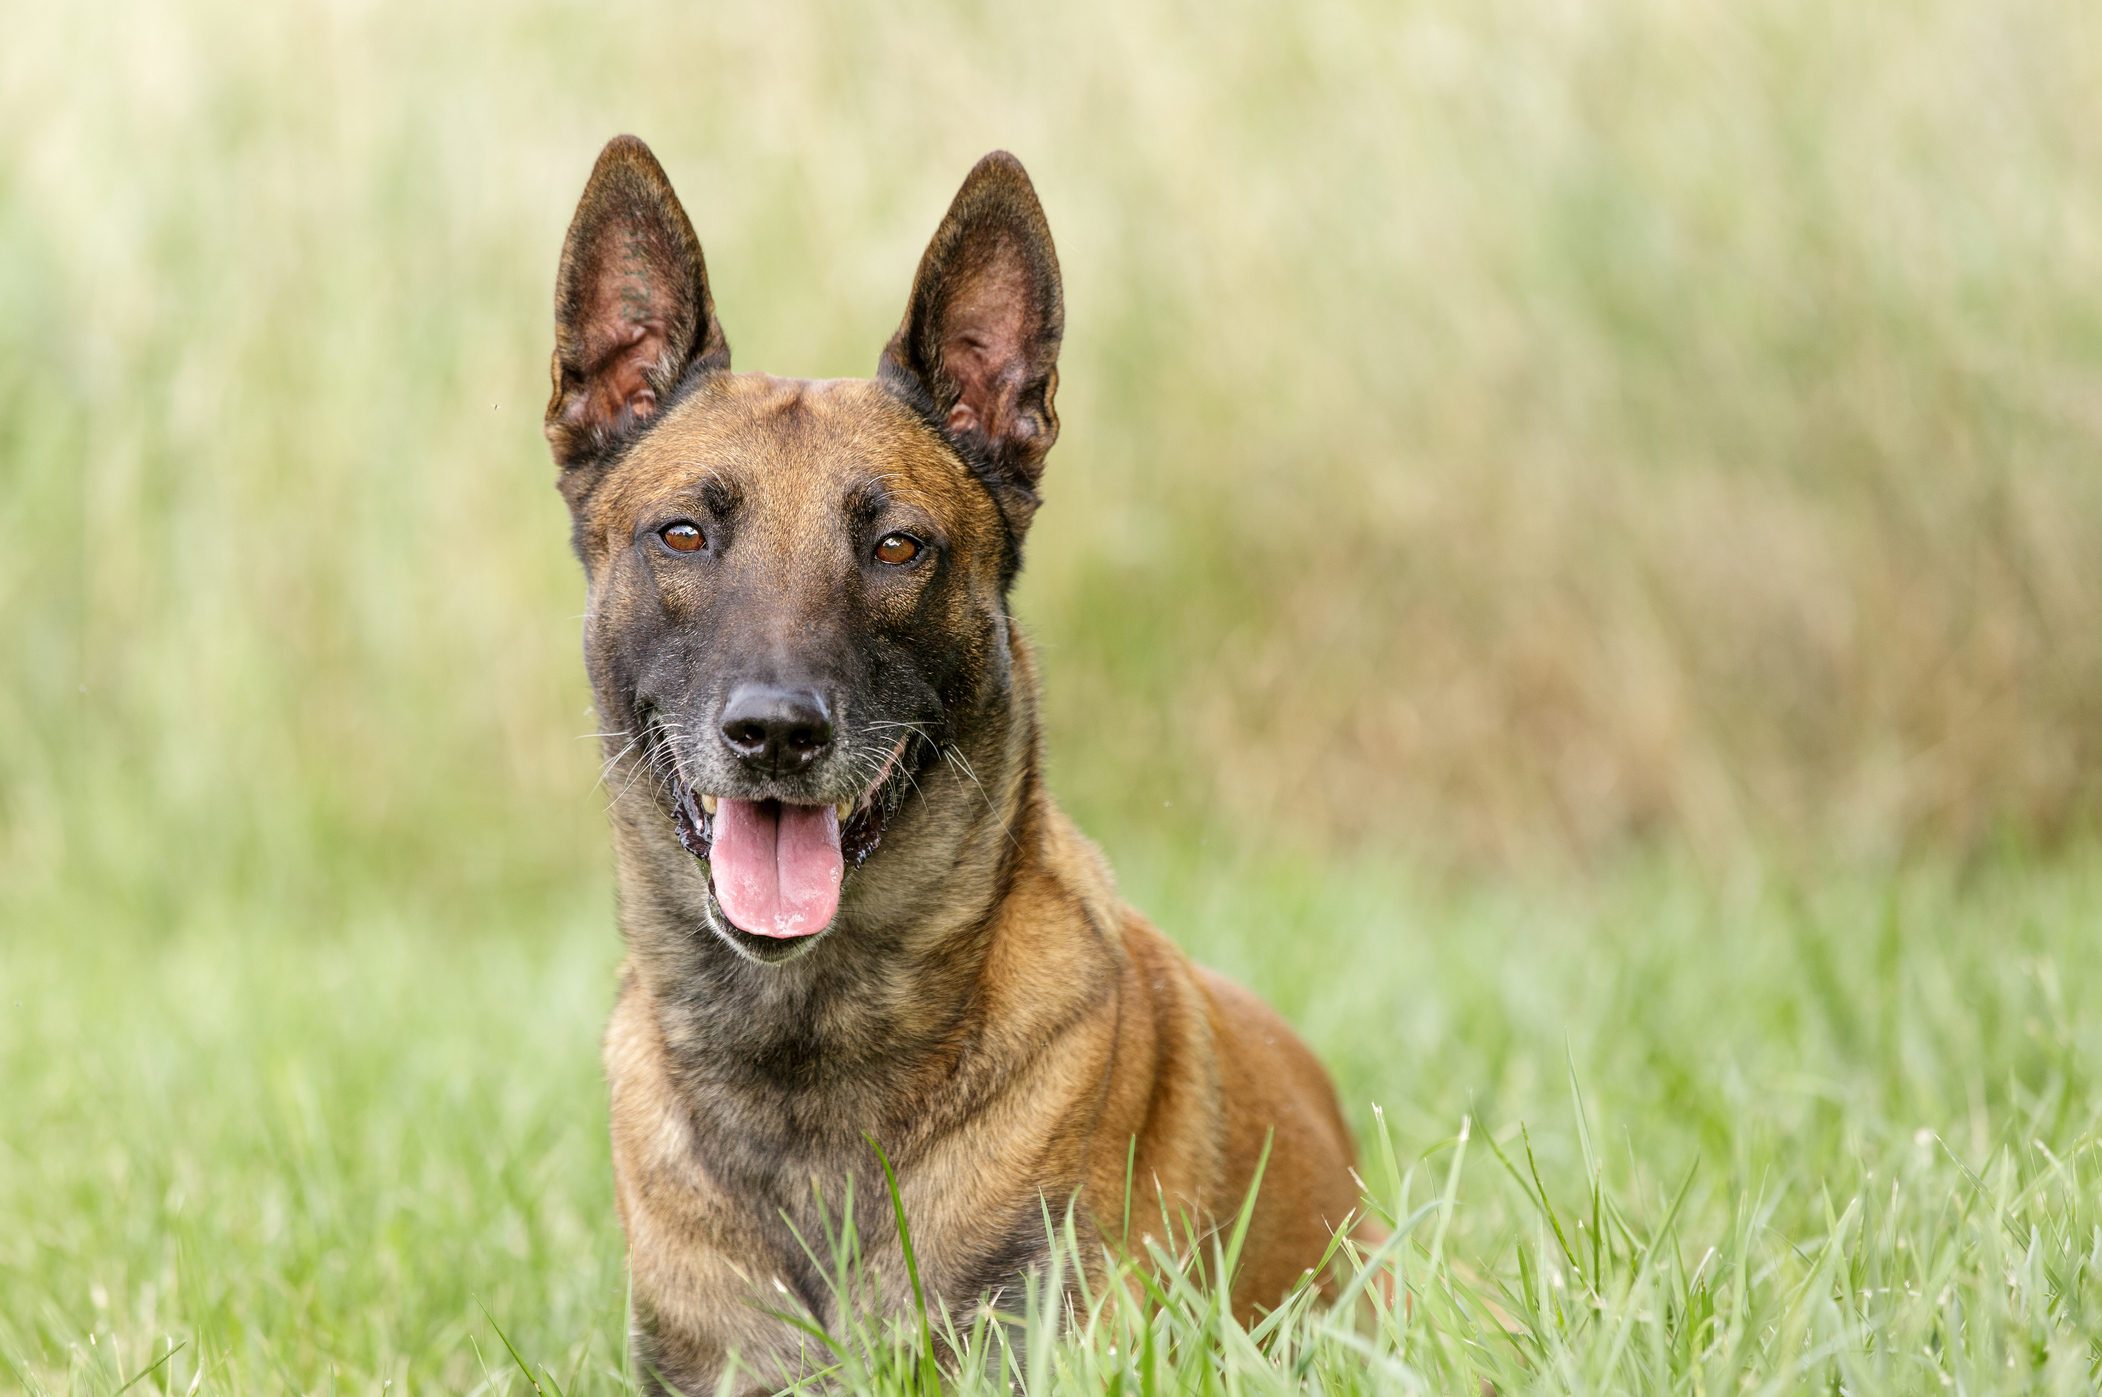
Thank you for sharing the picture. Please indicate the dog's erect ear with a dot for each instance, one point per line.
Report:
(977, 355)
(633, 315)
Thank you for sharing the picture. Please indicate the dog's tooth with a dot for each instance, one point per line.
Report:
(708, 805)
(844, 809)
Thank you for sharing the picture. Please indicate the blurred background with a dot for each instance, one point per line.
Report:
(1575, 553)
(1496, 435)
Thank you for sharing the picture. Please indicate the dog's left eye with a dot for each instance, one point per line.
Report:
(682, 537)
(897, 549)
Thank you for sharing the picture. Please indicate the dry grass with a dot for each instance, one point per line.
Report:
(1496, 430)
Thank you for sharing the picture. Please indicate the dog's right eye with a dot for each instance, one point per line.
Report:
(682, 537)
(897, 549)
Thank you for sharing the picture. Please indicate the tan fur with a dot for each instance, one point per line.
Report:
(985, 1007)
(1093, 1030)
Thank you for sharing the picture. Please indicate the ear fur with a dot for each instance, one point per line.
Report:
(977, 354)
(633, 315)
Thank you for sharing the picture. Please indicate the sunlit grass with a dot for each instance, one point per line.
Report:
(1666, 1134)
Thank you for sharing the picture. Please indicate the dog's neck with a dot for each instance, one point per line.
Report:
(888, 997)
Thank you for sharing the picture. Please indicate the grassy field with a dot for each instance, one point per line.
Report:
(1574, 565)
(1838, 1140)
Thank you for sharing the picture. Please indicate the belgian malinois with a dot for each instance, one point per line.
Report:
(852, 912)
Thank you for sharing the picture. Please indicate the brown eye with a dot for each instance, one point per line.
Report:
(897, 549)
(681, 538)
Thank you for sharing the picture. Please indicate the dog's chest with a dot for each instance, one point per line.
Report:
(783, 1184)
(817, 1229)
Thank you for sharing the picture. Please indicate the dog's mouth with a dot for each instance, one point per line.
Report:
(775, 867)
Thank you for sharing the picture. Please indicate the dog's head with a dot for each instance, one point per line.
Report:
(797, 589)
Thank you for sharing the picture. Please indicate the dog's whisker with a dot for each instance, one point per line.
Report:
(633, 776)
(606, 769)
(953, 755)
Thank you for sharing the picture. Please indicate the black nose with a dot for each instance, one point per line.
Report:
(782, 730)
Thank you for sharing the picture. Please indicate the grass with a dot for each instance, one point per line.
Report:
(1572, 566)
(1689, 1134)
(1554, 432)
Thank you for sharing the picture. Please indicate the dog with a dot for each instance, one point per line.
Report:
(854, 918)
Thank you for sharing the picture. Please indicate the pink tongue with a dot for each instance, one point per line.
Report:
(777, 867)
